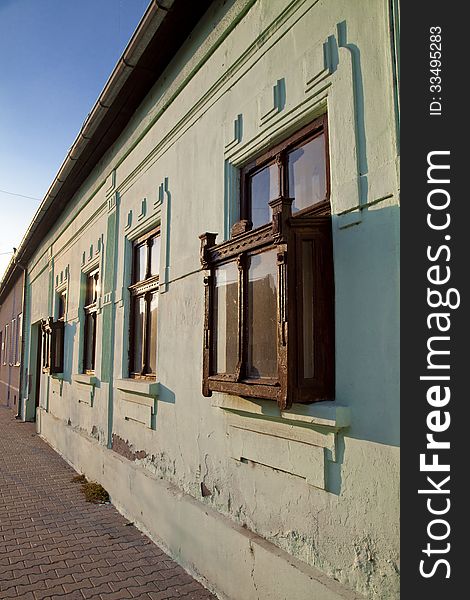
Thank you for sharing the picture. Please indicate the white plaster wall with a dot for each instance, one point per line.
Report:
(347, 524)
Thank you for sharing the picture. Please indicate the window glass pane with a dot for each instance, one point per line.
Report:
(13, 342)
(155, 256)
(226, 319)
(58, 348)
(89, 290)
(90, 328)
(152, 341)
(262, 315)
(307, 173)
(264, 187)
(138, 328)
(7, 345)
(61, 308)
(20, 335)
(92, 288)
(140, 263)
(96, 286)
(307, 301)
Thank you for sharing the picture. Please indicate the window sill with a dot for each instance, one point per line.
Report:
(86, 379)
(325, 414)
(301, 441)
(138, 386)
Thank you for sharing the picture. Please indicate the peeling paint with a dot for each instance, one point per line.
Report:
(125, 449)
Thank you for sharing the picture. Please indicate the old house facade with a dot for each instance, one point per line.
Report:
(237, 394)
(11, 338)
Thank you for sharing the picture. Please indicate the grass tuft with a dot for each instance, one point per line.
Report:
(79, 479)
(95, 492)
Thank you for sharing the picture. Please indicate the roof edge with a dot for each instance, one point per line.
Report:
(148, 26)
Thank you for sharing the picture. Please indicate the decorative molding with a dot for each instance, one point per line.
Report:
(272, 101)
(113, 201)
(110, 183)
(283, 454)
(128, 224)
(85, 379)
(141, 387)
(321, 436)
(260, 46)
(234, 133)
(358, 99)
(143, 210)
(140, 412)
(108, 298)
(162, 193)
(241, 243)
(138, 401)
(142, 227)
(93, 255)
(319, 63)
(163, 203)
(62, 280)
(86, 385)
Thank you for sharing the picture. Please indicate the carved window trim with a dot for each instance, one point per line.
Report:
(284, 234)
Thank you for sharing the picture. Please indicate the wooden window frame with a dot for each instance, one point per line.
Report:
(13, 342)
(6, 347)
(142, 289)
(19, 339)
(284, 235)
(91, 312)
(278, 155)
(51, 332)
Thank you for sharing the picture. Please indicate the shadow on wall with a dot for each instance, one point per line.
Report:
(333, 44)
(367, 324)
(69, 340)
(165, 394)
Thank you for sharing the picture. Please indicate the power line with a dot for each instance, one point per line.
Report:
(21, 195)
(3, 253)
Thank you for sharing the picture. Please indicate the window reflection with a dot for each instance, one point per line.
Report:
(152, 346)
(307, 174)
(139, 314)
(264, 187)
(140, 263)
(262, 315)
(155, 256)
(226, 319)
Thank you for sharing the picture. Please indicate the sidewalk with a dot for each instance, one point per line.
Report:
(54, 544)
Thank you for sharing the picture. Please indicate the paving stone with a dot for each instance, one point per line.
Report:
(55, 545)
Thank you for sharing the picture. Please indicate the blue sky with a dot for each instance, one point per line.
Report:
(56, 57)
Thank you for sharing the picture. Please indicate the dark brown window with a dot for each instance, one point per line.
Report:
(58, 335)
(90, 308)
(6, 345)
(144, 305)
(269, 330)
(52, 345)
(13, 342)
(19, 338)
